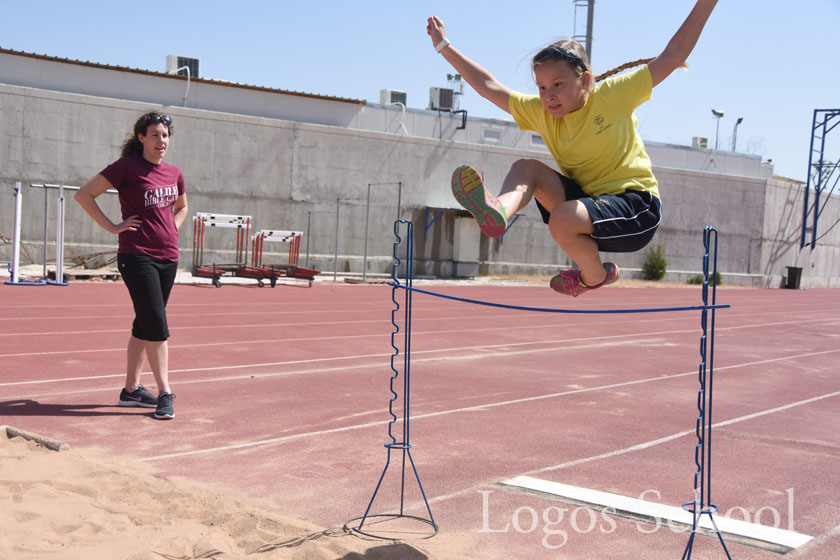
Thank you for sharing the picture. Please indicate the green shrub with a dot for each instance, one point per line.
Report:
(699, 279)
(655, 264)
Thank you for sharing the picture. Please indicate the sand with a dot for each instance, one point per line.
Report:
(74, 504)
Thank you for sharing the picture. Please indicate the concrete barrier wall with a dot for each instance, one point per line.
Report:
(780, 247)
(300, 176)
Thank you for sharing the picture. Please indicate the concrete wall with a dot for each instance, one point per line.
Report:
(780, 246)
(54, 74)
(290, 175)
(49, 73)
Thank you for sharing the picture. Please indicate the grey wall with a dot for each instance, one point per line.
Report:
(288, 174)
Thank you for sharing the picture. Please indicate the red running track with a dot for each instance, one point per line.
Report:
(282, 399)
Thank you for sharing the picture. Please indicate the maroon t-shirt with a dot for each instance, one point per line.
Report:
(148, 191)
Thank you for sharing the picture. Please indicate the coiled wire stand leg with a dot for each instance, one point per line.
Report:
(702, 504)
(403, 445)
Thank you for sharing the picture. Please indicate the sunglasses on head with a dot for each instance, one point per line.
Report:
(554, 52)
(154, 118)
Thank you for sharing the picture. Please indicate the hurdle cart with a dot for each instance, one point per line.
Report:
(203, 220)
(271, 272)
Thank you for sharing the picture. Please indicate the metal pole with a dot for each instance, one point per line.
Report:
(808, 182)
(335, 260)
(367, 226)
(59, 237)
(735, 133)
(590, 16)
(818, 190)
(16, 234)
(46, 212)
(308, 228)
(399, 200)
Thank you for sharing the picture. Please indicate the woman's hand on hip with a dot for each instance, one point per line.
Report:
(129, 224)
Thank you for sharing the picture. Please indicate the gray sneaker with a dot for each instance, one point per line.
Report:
(164, 407)
(138, 397)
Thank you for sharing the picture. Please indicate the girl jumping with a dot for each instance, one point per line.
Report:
(606, 198)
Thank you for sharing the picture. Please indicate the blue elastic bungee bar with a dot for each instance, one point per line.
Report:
(553, 310)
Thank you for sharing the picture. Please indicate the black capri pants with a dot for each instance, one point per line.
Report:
(149, 282)
(623, 223)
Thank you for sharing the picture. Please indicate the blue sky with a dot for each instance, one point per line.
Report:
(771, 62)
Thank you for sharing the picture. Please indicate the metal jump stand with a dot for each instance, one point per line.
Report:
(400, 443)
(702, 503)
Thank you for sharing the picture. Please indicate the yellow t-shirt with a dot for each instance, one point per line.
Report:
(598, 145)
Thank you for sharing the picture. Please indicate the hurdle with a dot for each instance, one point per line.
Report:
(59, 233)
(203, 220)
(261, 270)
(59, 247)
(701, 505)
(14, 265)
(59, 236)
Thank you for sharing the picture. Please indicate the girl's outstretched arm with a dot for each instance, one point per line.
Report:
(682, 43)
(480, 79)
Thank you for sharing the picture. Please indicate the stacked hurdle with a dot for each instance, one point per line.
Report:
(14, 265)
(262, 270)
(203, 220)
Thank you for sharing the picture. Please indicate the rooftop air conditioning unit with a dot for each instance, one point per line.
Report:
(441, 99)
(700, 143)
(391, 96)
(176, 65)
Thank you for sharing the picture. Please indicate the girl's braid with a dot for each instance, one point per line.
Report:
(624, 66)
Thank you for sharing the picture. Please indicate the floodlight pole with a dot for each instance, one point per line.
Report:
(717, 114)
(735, 132)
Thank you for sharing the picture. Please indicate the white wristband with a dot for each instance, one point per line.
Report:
(442, 45)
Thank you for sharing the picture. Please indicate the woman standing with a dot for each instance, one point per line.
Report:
(153, 202)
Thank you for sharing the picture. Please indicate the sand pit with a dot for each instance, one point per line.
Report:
(74, 504)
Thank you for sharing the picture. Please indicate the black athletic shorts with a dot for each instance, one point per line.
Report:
(149, 282)
(623, 223)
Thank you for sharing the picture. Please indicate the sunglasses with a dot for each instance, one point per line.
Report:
(154, 118)
(554, 52)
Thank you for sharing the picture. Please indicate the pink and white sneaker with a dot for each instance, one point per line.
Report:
(470, 193)
(568, 282)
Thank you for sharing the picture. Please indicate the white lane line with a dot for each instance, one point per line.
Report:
(817, 542)
(204, 369)
(383, 335)
(520, 327)
(639, 446)
(295, 324)
(657, 320)
(553, 347)
(666, 439)
(512, 402)
(175, 313)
